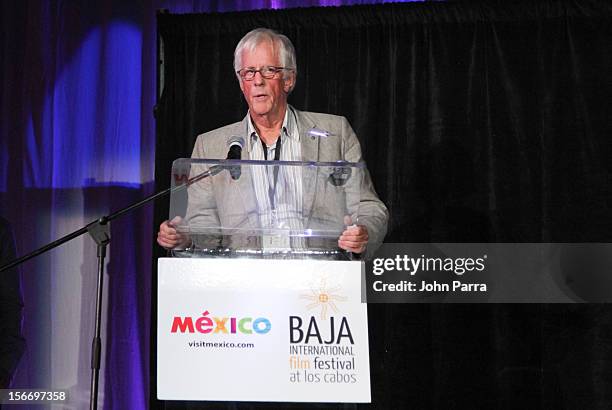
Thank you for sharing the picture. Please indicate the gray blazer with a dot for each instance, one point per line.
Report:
(211, 205)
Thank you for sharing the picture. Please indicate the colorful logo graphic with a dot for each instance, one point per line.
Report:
(324, 298)
(223, 325)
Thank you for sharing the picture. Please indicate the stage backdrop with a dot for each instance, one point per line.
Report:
(478, 122)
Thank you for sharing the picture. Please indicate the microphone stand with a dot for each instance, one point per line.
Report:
(99, 230)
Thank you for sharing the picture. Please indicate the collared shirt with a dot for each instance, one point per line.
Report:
(278, 189)
(291, 149)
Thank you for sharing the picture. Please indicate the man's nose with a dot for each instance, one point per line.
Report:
(258, 79)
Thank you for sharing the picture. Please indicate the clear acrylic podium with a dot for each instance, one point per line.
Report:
(264, 209)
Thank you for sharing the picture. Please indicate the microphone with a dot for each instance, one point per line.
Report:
(235, 152)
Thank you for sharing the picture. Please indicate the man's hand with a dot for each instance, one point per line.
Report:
(354, 239)
(169, 237)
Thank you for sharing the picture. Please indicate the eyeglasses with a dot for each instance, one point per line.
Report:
(267, 72)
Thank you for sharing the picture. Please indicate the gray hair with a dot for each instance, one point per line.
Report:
(280, 42)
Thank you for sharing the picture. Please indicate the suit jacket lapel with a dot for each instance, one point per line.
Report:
(309, 145)
(244, 129)
(310, 153)
(239, 194)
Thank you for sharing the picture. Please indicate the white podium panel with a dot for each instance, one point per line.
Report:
(261, 330)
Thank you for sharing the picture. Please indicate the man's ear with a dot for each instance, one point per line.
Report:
(289, 82)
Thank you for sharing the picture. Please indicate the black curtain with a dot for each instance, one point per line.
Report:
(479, 121)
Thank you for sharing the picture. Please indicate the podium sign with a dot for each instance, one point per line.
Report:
(261, 330)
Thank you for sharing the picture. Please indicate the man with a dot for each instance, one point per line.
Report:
(11, 342)
(265, 65)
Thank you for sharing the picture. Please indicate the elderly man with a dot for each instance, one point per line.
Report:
(265, 64)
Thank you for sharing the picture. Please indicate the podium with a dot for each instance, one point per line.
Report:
(259, 303)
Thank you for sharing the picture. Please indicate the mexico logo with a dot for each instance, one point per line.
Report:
(224, 325)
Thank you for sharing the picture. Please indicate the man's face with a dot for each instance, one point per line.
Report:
(265, 97)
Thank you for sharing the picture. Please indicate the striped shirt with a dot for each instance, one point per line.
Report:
(278, 189)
